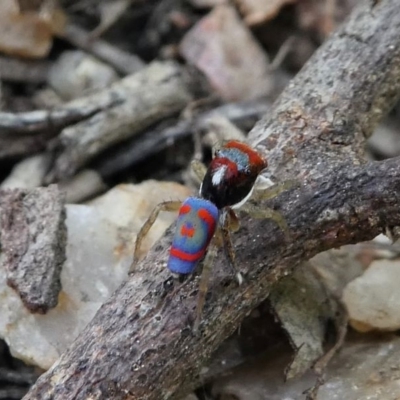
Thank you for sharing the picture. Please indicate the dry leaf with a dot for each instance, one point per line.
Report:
(257, 12)
(322, 16)
(28, 34)
(224, 49)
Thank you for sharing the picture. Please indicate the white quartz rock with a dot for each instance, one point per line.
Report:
(373, 299)
(101, 237)
(76, 73)
(28, 173)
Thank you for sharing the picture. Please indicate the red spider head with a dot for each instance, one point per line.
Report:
(231, 174)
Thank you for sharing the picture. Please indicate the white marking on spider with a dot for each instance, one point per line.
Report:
(219, 175)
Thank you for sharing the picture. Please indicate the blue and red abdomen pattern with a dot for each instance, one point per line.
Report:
(195, 228)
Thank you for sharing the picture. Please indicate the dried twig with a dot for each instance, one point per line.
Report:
(152, 142)
(123, 62)
(101, 119)
(42, 121)
(17, 70)
(146, 97)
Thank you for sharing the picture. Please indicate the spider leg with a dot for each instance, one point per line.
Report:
(205, 278)
(199, 169)
(164, 206)
(267, 193)
(218, 241)
(266, 213)
(228, 222)
(234, 223)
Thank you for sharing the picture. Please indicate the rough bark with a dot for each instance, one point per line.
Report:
(33, 238)
(140, 344)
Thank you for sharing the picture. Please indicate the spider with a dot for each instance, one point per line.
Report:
(205, 223)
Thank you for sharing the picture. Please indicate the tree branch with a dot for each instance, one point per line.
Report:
(140, 344)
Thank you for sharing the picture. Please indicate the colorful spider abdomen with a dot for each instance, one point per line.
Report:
(231, 174)
(196, 224)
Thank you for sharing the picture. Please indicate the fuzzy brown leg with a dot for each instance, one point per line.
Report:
(266, 213)
(234, 223)
(164, 206)
(273, 191)
(228, 245)
(205, 278)
(199, 169)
